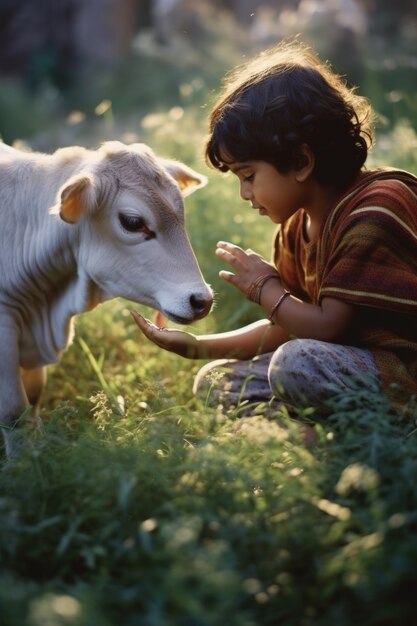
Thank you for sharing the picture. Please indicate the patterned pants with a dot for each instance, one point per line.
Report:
(300, 373)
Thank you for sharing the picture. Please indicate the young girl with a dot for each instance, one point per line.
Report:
(340, 297)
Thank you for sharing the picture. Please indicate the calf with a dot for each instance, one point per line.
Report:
(77, 228)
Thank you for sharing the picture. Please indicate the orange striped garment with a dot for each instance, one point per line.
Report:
(366, 255)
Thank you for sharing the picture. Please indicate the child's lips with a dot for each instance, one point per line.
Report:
(259, 208)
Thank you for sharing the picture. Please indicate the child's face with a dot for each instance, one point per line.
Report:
(273, 194)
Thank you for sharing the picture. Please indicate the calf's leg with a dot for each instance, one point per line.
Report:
(34, 381)
(14, 405)
(21, 407)
(13, 410)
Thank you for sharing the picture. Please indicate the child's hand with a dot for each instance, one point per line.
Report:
(248, 265)
(178, 341)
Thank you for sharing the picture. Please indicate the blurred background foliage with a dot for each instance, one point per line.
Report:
(67, 66)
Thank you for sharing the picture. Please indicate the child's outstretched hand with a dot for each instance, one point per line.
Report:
(178, 341)
(248, 266)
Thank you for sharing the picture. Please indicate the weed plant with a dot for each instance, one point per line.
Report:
(143, 506)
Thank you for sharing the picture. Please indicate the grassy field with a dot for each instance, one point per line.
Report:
(140, 505)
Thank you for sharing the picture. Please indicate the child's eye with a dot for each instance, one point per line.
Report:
(249, 178)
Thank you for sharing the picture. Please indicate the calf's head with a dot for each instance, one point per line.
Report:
(128, 207)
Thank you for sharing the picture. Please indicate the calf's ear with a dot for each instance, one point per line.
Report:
(75, 198)
(188, 179)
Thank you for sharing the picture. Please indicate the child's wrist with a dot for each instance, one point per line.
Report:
(270, 294)
(254, 291)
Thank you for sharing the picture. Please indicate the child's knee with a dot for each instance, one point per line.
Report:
(302, 371)
(308, 370)
(286, 367)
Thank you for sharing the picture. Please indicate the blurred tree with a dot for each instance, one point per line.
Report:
(33, 46)
(387, 18)
(60, 41)
(46, 40)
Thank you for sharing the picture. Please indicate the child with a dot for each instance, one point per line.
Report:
(340, 297)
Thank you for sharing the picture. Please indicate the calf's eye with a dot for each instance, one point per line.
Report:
(135, 224)
(132, 223)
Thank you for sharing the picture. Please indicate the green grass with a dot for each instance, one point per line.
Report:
(165, 515)
(140, 505)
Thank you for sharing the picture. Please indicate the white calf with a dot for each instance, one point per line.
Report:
(79, 227)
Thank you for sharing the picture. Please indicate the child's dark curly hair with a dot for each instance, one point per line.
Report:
(284, 98)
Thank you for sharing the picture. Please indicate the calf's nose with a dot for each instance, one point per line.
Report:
(200, 304)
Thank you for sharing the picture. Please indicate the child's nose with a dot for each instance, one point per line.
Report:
(245, 192)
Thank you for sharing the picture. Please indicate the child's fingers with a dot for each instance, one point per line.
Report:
(227, 276)
(159, 336)
(227, 248)
(234, 279)
(177, 341)
(139, 319)
(226, 256)
(237, 257)
(146, 326)
(234, 257)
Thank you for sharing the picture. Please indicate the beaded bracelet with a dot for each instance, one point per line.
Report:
(277, 305)
(254, 291)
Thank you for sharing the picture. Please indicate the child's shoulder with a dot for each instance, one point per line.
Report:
(387, 185)
(384, 191)
(389, 200)
(382, 203)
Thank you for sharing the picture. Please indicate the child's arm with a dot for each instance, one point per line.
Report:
(330, 321)
(244, 343)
